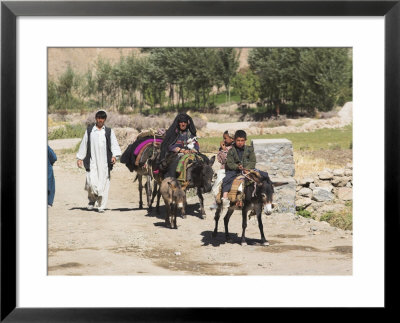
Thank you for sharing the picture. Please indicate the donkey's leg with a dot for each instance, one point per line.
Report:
(153, 195)
(244, 226)
(148, 191)
(226, 221)
(264, 241)
(201, 198)
(158, 201)
(216, 218)
(173, 220)
(140, 191)
(183, 213)
(167, 216)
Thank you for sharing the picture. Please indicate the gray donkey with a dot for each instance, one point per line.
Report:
(174, 200)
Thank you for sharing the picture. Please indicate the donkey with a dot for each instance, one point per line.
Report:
(174, 199)
(258, 196)
(146, 169)
(199, 176)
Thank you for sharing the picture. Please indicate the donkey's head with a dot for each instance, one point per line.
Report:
(264, 191)
(202, 174)
(178, 196)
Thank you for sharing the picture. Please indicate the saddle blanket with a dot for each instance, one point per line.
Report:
(234, 194)
(183, 165)
(145, 153)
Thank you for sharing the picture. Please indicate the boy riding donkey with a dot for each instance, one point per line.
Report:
(240, 160)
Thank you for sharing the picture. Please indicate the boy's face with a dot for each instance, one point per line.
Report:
(100, 122)
(227, 140)
(240, 142)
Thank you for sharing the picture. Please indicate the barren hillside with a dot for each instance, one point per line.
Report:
(81, 59)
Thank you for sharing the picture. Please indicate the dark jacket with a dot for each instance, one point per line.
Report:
(248, 159)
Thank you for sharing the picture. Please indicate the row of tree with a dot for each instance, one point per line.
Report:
(306, 78)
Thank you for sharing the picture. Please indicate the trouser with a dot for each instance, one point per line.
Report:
(227, 182)
(101, 200)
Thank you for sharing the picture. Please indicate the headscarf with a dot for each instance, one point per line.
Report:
(173, 132)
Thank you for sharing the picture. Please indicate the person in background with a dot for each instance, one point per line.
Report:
(98, 153)
(51, 182)
(225, 146)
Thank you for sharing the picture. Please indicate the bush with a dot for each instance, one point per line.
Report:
(67, 131)
(304, 213)
(342, 219)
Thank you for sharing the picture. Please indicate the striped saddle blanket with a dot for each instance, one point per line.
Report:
(234, 194)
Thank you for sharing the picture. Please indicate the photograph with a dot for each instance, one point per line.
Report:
(200, 161)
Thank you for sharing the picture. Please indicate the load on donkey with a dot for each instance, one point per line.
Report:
(180, 158)
(141, 156)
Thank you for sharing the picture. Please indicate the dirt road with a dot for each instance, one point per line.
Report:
(127, 241)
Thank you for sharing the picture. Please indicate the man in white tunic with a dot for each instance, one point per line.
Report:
(98, 152)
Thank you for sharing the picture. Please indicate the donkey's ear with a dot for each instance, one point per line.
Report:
(276, 184)
(212, 160)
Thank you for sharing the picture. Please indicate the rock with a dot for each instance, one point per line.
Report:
(327, 185)
(343, 181)
(177, 253)
(336, 181)
(321, 194)
(345, 193)
(314, 228)
(306, 181)
(337, 207)
(312, 186)
(305, 192)
(325, 175)
(349, 184)
(303, 203)
(349, 166)
(348, 172)
(338, 172)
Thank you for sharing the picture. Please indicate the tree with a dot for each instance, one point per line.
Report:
(227, 65)
(247, 85)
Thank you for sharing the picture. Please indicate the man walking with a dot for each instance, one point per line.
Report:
(98, 152)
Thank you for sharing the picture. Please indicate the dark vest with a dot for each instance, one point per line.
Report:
(86, 160)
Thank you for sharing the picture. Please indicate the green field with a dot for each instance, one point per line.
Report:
(340, 138)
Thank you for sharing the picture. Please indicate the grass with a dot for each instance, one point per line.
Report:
(342, 219)
(68, 131)
(332, 139)
(304, 213)
(70, 150)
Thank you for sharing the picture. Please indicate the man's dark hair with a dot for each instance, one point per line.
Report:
(101, 114)
(240, 134)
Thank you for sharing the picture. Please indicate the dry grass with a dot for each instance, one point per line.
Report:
(307, 165)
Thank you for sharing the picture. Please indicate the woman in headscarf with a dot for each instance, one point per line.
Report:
(176, 141)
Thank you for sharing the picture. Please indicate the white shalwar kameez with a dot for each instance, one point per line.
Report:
(98, 178)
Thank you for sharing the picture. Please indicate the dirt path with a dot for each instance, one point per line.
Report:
(127, 241)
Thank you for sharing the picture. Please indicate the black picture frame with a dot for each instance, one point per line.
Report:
(10, 10)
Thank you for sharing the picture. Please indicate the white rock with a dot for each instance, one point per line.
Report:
(345, 193)
(303, 203)
(321, 194)
(338, 172)
(305, 192)
(348, 172)
(325, 175)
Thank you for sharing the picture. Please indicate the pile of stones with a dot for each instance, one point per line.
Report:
(327, 191)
